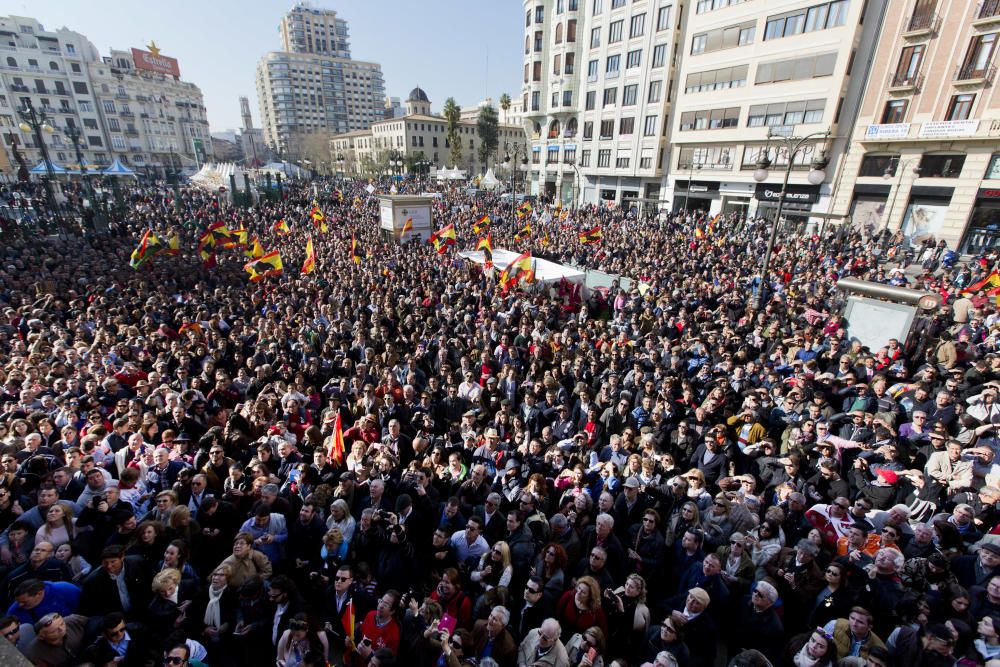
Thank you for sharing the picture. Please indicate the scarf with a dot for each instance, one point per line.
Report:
(802, 658)
(213, 612)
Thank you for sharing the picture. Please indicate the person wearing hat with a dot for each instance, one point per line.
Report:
(692, 615)
(629, 508)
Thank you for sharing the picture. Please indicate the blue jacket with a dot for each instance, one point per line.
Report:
(60, 596)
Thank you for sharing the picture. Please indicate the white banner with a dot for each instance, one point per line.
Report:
(887, 131)
(949, 128)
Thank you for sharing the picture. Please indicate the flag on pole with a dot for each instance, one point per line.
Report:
(698, 234)
(348, 618)
(524, 233)
(443, 238)
(336, 453)
(173, 245)
(146, 249)
(407, 227)
(524, 209)
(310, 264)
(281, 228)
(266, 266)
(990, 281)
(236, 238)
(486, 245)
(518, 270)
(354, 250)
(713, 222)
(590, 236)
(319, 220)
(546, 240)
(256, 250)
(481, 225)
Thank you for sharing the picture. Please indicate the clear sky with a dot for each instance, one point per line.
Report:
(440, 45)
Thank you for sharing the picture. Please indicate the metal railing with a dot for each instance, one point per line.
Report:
(988, 9)
(973, 73)
(922, 21)
(906, 79)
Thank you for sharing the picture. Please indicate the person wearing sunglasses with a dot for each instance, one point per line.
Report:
(180, 656)
(58, 640)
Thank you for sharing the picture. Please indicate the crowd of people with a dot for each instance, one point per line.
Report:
(395, 461)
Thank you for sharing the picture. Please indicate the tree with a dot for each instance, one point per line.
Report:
(505, 107)
(453, 114)
(487, 127)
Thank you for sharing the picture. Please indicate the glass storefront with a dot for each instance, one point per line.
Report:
(982, 234)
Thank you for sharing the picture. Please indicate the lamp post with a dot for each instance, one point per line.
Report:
(817, 174)
(576, 184)
(74, 135)
(37, 122)
(897, 169)
(511, 152)
(340, 165)
(687, 193)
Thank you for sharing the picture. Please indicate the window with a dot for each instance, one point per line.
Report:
(717, 79)
(649, 126)
(94, 141)
(592, 71)
(629, 94)
(908, 67)
(711, 5)
(559, 33)
(978, 57)
(622, 161)
(538, 41)
(808, 19)
(539, 14)
(118, 142)
(571, 30)
(878, 165)
(590, 100)
(941, 165)
(723, 38)
(615, 4)
(86, 106)
(552, 155)
(75, 67)
(993, 170)
(588, 130)
(655, 91)
(598, 7)
(633, 59)
(113, 125)
(626, 125)
(90, 123)
(555, 100)
(786, 113)
(567, 98)
(611, 70)
(570, 61)
(710, 119)
(604, 158)
(638, 26)
(557, 64)
(80, 88)
(595, 38)
(960, 107)
(662, 19)
(615, 31)
(527, 18)
(895, 111)
(569, 155)
(584, 158)
(527, 72)
(659, 55)
(109, 106)
(796, 69)
(536, 71)
(607, 129)
(610, 96)
(70, 49)
(535, 100)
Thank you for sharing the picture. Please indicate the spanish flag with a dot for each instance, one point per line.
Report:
(337, 451)
(481, 225)
(148, 246)
(486, 245)
(237, 238)
(266, 266)
(173, 245)
(989, 282)
(319, 220)
(590, 236)
(524, 233)
(354, 250)
(524, 209)
(340, 196)
(518, 270)
(310, 264)
(713, 222)
(217, 233)
(281, 228)
(207, 254)
(546, 240)
(256, 250)
(443, 238)
(698, 234)
(407, 227)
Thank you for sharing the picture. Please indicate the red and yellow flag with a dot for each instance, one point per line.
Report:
(524, 209)
(147, 248)
(698, 234)
(592, 235)
(319, 220)
(354, 250)
(713, 222)
(481, 225)
(336, 453)
(281, 228)
(265, 267)
(173, 245)
(518, 270)
(443, 238)
(486, 245)
(310, 264)
(989, 282)
(524, 233)
(407, 227)
(237, 238)
(255, 250)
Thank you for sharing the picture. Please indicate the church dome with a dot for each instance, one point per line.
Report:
(418, 95)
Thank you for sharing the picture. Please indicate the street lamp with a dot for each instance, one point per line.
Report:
(36, 123)
(897, 169)
(74, 134)
(511, 152)
(687, 193)
(340, 164)
(817, 174)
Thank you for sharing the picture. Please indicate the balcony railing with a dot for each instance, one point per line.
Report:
(988, 9)
(921, 23)
(905, 81)
(972, 75)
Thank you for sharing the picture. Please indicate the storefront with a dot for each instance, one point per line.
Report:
(797, 197)
(925, 212)
(983, 231)
(736, 197)
(695, 195)
(869, 206)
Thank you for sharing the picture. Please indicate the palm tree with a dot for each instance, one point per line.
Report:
(505, 106)
(452, 114)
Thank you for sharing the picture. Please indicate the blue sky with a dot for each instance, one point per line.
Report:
(440, 45)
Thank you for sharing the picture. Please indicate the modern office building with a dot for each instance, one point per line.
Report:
(313, 85)
(925, 158)
(597, 75)
(753, 69)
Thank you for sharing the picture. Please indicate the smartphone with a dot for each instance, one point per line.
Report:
(448, 622)
(591, 654)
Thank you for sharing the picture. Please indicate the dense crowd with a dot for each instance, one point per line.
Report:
(543, 475)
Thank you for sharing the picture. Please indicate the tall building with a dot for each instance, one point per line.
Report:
(255, 151)
(926, 158)
(748, 69)
(130, 105)
(313, 86)
(595, 97)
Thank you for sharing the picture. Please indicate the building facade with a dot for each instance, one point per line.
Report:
(312, 86)
(143, 115)
(597, 76)
(751, 70)
(925, 157)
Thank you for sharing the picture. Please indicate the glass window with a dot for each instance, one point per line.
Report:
(626, 125)
(590, 100)
(941, 165)
(878, 165)
(649, 126)
(633, 59)
(662, 18)
(592, 70)
(993, 170)
(960, 107)
(637, 26)
(655, 91)
(659, 55)
(629, 95)
(615, 31)
(604, 157)
(595, 38)
(895, 111)
(612, 67)
(610, 96)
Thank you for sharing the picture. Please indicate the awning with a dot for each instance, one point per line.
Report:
(40, 168)
(118, 169)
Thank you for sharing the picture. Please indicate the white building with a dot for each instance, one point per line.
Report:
(313, 85)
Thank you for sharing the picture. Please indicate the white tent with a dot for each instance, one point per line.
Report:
(213, 175)
(489, 181)
(546, 272)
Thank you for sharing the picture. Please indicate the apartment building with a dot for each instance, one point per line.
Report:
(750, 69)
(131, 105)
(313, 85)
(597, 77)
(926, 158)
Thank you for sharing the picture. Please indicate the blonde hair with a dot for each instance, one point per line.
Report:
(165, 578)
(594, 602)
(333, 536)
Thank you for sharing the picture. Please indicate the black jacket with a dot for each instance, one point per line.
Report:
(100, 592)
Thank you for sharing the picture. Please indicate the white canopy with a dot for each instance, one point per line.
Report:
(489, 181)
(213, 175)
(545, 271)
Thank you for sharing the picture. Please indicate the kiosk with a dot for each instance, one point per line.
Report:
(395, 210)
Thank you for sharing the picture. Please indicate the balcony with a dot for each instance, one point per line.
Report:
(126, 113)
(41, 91)
(970, 75)
(19, 88)
(987, 12)
(922, 24)
(132, 133)
(121, 96)
(63, 92)
(905, 82)
(65, 108)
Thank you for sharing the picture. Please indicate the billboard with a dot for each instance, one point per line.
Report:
(153, 61)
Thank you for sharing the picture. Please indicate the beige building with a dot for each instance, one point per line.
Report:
(420, 135)
(925, 158)
(750, 69)
(313, 86)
